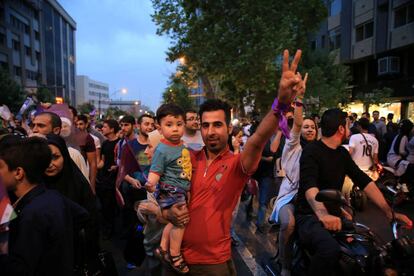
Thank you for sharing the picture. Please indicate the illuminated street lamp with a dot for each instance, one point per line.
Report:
(122, 90)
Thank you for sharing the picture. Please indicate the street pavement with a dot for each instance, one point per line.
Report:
(254, 253)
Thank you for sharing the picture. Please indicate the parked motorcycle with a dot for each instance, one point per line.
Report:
(361, 253)
(394, 190)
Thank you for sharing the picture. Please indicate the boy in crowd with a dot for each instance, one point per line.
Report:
(171, 167)
(41, 237)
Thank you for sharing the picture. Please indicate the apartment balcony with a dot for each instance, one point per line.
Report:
(363, 48)
(402, 36)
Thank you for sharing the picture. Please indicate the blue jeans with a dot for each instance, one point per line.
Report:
(265, 184)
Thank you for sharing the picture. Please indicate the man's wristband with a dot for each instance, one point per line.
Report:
(279, 109)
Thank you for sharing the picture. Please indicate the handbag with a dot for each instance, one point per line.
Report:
(100, 264)
(374, 169)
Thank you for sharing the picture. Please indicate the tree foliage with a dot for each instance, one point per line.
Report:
(377, 96)
(45, 96)
(234, 46)
(178, 93)
(114, 113)
(11, 93)
(328, 81)
(85, 108)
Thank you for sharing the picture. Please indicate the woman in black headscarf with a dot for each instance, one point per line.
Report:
(64, 176)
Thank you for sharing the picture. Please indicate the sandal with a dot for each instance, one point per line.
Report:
(182, 267)
(161, 254)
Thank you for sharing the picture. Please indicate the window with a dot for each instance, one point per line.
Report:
(334, 39)
(31, 75)
(335, 7)
(28, 51)
(404, 15)
(16, 45)
(2, 39)
(17, 71)
(37, 56)
(313, 44)
(18, 24)
(323, 42)
(364, 31)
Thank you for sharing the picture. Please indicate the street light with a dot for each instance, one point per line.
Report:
(122, 90)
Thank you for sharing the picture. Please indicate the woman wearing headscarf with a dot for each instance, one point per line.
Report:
(399, 151)
(64, 176)
(303, 132)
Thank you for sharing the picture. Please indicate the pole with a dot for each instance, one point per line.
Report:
(99, 105)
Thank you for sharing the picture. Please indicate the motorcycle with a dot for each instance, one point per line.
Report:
(361, 253)
(394, 190)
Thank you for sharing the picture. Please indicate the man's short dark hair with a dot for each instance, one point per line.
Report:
(215, 105)
(190, 111)
(54, 118)
(364, 123)
(314, 115)
(140, 118)
(74, 111)
(31, 154)
(113, 124)
(366, 113)
(169, 109)
(375, 111)
(128, 119)
(331, 120)
(83, 118)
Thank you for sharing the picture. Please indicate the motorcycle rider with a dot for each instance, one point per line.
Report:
(323, 165)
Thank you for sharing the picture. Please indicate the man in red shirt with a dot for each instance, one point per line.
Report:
(219, 177)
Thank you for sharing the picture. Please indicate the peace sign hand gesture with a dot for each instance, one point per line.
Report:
(289, 79)
(300, 88)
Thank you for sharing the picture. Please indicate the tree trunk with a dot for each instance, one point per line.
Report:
(208, 89)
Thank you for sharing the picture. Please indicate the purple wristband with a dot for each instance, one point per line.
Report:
(280, 109)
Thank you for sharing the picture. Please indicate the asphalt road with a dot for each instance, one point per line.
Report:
(253, 255)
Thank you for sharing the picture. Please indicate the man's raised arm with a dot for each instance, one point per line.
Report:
(289, 83)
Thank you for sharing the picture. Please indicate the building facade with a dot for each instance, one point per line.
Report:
(37, 45)
(376, 39)
(93, 92)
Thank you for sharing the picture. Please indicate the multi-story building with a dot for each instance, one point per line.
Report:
(376, 39)
(37, 45)
(93, 92)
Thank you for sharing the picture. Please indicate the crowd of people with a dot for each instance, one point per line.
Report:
(174, 182)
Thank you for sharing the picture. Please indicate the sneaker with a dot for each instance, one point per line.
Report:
(130, 266)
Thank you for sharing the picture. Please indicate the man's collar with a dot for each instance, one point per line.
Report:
(29, 195)
(219, 155)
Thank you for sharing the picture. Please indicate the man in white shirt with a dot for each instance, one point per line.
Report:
(364, 147)
(192, 136)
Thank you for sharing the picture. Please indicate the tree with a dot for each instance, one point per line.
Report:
(45, 96)
(328, 81)
(11, 93)
(86, 108)
(115, 113)
(236, 43)
(177, 93)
